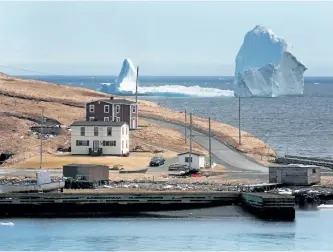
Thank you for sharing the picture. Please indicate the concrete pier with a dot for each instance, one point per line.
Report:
(270, 206)
(289, 159)
(262, 205)
(108, 204)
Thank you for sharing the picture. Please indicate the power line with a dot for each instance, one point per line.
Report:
(32, 71)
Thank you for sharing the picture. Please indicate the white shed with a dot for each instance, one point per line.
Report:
(198, 160)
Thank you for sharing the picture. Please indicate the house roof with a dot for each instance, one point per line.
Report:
(82, 165)
(116, 101)
(98, 123)
(193, 153)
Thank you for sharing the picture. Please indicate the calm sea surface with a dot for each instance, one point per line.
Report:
(312, 230)
(293, 125)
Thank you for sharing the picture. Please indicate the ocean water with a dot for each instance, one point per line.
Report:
(300, 125)
(312, 230)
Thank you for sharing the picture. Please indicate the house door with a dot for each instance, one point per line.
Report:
(278, 176)
(134, 124)
(95, 145)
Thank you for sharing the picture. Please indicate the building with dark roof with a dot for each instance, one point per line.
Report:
(116, 110)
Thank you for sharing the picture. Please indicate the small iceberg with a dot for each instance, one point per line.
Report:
(323, 206)
(6, 224)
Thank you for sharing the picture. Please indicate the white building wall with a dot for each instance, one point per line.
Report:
(197, 161)
(102, 136)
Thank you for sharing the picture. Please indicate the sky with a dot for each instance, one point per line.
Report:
(163, 38)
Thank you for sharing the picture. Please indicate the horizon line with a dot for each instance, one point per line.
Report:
(107, 75)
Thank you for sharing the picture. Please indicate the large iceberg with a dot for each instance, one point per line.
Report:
(126, 81)
(125, 84)
(266, 67)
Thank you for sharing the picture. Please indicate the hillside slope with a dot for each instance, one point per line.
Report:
(22, 100)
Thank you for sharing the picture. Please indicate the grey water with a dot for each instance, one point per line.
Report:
(312, 230)
(300, 125)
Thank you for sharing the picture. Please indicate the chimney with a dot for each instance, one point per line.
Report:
(111, 97)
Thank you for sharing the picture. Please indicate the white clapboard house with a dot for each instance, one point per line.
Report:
(99, 138)
(198, 160)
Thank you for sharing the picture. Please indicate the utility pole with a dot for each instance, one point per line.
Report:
(185, 126)
(41, 140)
(210, 144)
(239, 122)
(136, 85)
(190, 156)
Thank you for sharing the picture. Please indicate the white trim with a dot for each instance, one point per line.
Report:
(134, 119)
(92, 108)
(130, 122)
(91, 118)
(113, 112)
(117, 108)
(108, 108)
(108, 119)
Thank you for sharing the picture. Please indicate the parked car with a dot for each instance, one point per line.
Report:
(157, 161)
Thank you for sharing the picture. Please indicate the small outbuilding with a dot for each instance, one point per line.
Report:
(86, 172)
(197, 159)
(294, 174)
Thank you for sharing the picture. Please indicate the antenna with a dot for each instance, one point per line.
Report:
(136, 86)
(185, 126)
(239, 121)
(41, 140)
(190, 156)
(210, 143)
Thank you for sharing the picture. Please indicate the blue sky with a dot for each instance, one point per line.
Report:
(163, 38)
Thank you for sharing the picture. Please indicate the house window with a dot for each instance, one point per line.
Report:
(126, 144)
(117, 108)
(122, 131)
(106, 119)
(314, 171)
(187, 159)
(109, 143)
(118, 119)
(134, 109)
(122, 144)
(95, 131)
(83, 131)
(126, 130)
(106, 108)
(109, 131)
(82, 142)
(92, 108)
(92, 118)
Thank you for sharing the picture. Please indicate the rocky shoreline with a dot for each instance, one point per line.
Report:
(308, 195)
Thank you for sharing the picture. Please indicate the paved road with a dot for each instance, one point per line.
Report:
(224, 155)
